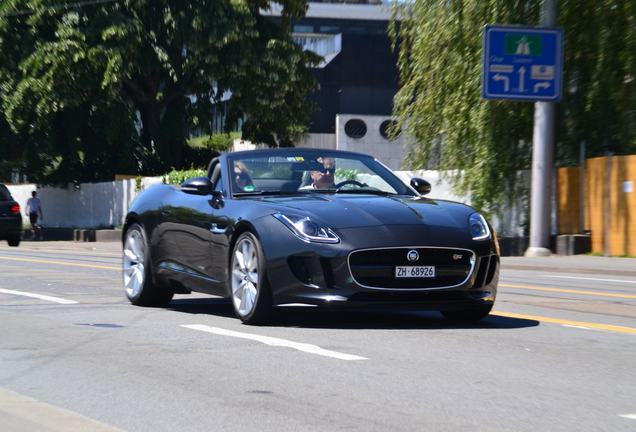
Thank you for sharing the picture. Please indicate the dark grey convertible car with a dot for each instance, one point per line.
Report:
(10, 218)
(303, 227)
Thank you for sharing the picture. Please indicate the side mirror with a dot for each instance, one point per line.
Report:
(197, 186)
(420, 185)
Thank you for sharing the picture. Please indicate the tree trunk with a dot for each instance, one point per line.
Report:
(151, 137)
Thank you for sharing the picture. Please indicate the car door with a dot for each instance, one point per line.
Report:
(196, 230)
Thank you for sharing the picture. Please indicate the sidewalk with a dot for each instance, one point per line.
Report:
(573, 264)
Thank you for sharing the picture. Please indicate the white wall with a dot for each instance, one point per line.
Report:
(92, 205)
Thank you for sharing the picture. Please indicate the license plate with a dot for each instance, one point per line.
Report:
(415, 272)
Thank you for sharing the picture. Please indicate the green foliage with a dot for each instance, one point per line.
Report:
(176, 177)
(219, 142)
(87, 90)
(483, 143)
(346, 174)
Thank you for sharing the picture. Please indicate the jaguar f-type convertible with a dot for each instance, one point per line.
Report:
(307, 227)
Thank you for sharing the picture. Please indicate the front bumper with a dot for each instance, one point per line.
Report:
(321, 275)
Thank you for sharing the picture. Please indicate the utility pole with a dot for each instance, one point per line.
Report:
(542, 160)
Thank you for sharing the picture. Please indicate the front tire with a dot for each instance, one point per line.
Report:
(467, 315)
(137, 271)
(14, 241)
(251, 296)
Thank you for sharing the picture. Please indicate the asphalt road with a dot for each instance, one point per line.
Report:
(558, 354)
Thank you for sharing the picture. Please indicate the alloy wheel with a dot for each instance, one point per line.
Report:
(133, 263)
(245, 276)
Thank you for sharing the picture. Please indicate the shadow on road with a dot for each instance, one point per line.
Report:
(332, 319)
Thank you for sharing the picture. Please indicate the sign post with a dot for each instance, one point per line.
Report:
(525, 64)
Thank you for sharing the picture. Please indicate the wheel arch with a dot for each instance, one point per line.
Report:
(131, 218)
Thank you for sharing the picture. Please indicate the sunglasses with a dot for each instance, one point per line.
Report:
(328, 171)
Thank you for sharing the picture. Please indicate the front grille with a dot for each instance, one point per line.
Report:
(375, 268)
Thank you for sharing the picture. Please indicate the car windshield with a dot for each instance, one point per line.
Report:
(297, 171)
(4, 193)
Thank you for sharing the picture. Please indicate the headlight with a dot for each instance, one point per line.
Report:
(306, 229)
(478, 227)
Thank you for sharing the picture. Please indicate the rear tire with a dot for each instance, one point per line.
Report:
(138, 281)
(250, 291)
(14, 241)
(467, 315)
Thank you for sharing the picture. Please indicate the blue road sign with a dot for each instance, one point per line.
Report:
(522, 63)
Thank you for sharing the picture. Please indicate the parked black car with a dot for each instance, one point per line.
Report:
(10, 218)
(306, 227)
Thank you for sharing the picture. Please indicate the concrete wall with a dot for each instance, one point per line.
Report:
(391, 153)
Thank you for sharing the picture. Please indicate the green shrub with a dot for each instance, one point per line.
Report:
(346, 174)
(176, 177)
(219, 142)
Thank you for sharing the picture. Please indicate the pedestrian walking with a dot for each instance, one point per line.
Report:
(34, 211)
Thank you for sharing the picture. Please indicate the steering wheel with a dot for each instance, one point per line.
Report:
(351, 182)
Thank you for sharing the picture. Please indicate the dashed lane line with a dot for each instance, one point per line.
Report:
(595, 326)
(568, 291)
(628, 416)
(37, 296)
(267, 340)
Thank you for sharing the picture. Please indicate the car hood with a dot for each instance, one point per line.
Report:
(354, 211)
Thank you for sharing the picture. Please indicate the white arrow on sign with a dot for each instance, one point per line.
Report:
(522, 73)
(540, 85)
(503, 78)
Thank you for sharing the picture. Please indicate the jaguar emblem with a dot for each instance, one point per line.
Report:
(412, 255)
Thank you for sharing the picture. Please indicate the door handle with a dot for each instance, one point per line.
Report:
(216, 229)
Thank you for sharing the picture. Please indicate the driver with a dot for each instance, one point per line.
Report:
(323, 179)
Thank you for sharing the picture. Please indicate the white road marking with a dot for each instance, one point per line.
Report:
(38, 296)
(591, 279)
(628, 416)
(308, 348)
(576, 326)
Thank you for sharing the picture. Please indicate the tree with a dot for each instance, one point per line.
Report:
(485, 143)
(134, 77)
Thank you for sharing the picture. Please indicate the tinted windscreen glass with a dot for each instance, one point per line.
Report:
(4, 194)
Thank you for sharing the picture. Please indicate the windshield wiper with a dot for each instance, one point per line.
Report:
(262, 193)
(365, 191)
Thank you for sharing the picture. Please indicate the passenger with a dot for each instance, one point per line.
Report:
(242, 178)
(323, 179)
